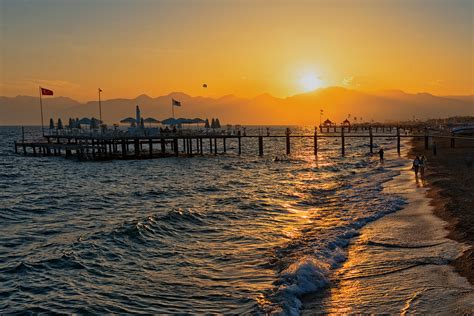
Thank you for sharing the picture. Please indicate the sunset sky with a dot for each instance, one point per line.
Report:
(236, 47)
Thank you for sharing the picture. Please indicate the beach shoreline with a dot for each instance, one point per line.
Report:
(414, 234)
(450, 178)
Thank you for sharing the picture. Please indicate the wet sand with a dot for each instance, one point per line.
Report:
(400, 263)
(450, 179)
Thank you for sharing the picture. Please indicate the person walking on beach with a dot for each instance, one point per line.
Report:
(381, 152)
(416, 165)
(422, 166)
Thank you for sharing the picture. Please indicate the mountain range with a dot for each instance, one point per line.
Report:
(336, 102)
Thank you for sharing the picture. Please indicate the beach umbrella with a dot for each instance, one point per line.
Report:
(128, 120)
(84, 121)
(151, 120)
(169, 121)
(198, 120)
(60, 124)
(51, 123)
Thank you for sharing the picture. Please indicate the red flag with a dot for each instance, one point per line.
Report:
(46, 91)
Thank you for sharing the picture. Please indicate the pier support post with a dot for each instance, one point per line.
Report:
(150, 144)
(398, 140)
(136, 147)
(124, 149)
(210, 145)
(175, 145)
(315, 141)
(200, 146)
(190, 146)
(426, 140)
(343, 140)
(163, 145)
(224, 145)
(215, 145)
(24, 149)
(240, 144)
(371, 136)
(288, 149)
(260, 146)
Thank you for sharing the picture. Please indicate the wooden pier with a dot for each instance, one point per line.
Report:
(121, 146)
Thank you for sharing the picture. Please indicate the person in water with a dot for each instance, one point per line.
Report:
(381, 152)
(416, 165)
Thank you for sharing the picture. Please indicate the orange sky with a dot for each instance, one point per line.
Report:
(237, 47)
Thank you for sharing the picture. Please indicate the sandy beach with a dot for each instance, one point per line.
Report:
(406, 262)
(450, 179)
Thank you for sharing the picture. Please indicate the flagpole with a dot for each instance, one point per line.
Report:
(172, 108)
(41, 107)
(100, 108)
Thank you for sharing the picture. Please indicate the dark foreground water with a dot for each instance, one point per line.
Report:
(224, 234)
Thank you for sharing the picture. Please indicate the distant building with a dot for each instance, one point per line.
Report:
(328, 123)
(346, 123)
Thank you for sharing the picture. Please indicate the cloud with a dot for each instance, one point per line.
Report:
(61, 84)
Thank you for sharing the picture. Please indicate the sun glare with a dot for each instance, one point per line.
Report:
(310, 82)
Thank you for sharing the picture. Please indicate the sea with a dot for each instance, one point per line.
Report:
(213, 234)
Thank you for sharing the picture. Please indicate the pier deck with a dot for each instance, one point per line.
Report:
(109, 146)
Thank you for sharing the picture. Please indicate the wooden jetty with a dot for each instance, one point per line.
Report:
(112, 145)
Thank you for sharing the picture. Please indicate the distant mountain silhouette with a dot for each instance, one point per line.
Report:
(337, 102)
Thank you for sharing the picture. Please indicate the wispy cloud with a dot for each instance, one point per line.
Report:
(62, 84)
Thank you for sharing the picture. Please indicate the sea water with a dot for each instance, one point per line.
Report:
(211, 234)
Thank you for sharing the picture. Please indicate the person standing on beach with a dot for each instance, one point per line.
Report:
(422, 166)
(381, 152)
(416, 165)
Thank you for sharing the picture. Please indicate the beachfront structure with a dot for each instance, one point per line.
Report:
(113, 144)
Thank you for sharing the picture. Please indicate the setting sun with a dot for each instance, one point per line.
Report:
(309, 82)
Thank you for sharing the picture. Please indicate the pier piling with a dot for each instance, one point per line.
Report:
(398, 140)
(315, 141)
(343, 149)
(371, 140)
